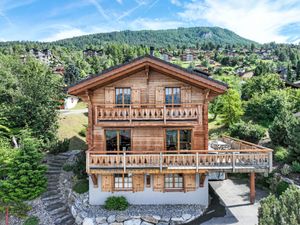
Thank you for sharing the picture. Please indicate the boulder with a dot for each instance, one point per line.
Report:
(73, 211)
(156, 217)
(163, 223)
(88, 221)
(101, 220)
(133, 222)
(111, 219)
(115, 223)
(176, 220)
(150, 219)
(121, 218)
(165, 219)
(146, 223)
(186, 217)
(78, 220)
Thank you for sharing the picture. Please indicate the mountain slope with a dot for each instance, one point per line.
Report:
(188, 37)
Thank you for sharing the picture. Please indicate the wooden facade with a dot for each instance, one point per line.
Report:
(129, 134)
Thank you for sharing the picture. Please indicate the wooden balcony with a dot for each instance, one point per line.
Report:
(253, 159)
(149, 112)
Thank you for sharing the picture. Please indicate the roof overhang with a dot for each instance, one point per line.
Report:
(148, 62)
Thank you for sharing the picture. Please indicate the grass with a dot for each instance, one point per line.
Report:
(80, 105)
(216, 127)
(32, 220)
(69, 127)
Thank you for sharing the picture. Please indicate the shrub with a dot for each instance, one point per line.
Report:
(81, 186)
(286, 169)
(281, 187)
(60, 146)
(82, 132)
(296, 167)
(247, 131)
(67, 167)
(281, 154)
(116, 203)
(79, 168)
(33, 220)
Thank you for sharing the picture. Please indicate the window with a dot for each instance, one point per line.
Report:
(118, 140)
(178, 139)
(123, 97)
(148, 181)
(172, 96)
(123, 181)
(173, 181)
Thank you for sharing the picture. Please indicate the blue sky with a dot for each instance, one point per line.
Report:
(49, 20)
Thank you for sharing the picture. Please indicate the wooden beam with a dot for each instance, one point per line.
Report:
(95, 180)
(202, 179)
(252, 187)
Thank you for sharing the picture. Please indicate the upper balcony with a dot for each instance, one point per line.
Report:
(231, 155)
(149, 112)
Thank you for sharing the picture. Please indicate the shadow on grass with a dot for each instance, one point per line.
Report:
(77, 143)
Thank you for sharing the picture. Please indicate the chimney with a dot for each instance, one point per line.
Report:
(151, 50)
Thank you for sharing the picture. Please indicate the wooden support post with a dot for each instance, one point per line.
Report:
(202, 180)
(252, 187)
(124, 162)
(95, 180)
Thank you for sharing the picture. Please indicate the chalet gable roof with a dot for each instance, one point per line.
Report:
(112, 74)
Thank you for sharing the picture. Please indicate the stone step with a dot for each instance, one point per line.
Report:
(53, 172)
(52, 198)
(53, 201)
(52, 188)
(50, 193)
(55, 165)
(63, 220)
(55, 206)
(62, 210)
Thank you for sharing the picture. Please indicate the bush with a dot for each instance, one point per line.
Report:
(81, 186)
(281, 154)
(33, 220)
(286, 169)
(68, 167)
(116, 203)
(247, 131)
(281, 187)
(296, 167)
(82, 132)
(60, 146)
(79, 168)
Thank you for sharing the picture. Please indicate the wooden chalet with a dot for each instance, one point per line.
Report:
(148, 135)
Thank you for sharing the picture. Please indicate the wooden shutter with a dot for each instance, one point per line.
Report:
(186, 94)
(107, 183)
(158, 183)
(138, 182)
(135, 97)
(109, 96)
(159, 96)
(189, 182)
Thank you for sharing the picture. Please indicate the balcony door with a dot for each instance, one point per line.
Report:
(172, 96)
(178, 139)
(123, 97)
(118, 140)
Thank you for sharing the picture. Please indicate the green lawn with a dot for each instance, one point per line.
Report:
(80, 105)
(70, 126)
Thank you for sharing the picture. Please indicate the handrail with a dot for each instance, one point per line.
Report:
(151, 104)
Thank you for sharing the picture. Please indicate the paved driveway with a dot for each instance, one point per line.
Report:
(235, 196)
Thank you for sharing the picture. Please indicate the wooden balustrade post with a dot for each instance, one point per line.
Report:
(252, 187)
(130, 114)
(270, 162)
(160, 161)
(87, 161)
(233, 162)
(124, 162)
(165, 114)
(197, 161)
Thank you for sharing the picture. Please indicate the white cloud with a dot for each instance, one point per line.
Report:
(154, 24)
(176, 2)
(65, 33)
(260, 20)
(100, 9)
(120, 1)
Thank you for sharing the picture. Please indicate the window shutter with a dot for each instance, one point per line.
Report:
(158, 183)
(109, 96)
(135, 97)
(186, 94)
(189, 182)
(138, 182)
(107, 183)
(159, 96)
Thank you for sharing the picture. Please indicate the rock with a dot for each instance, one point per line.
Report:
(78, 219)
(191, 219)
(121, 218)
(103, 223)
(88, 221)
(115, 223)
(100, 220)
(133, 222)
(176, 220)
(165, 219)
(150, 219)
(111, 219)
(73, 211)
(163, 223)
(186, 217)
(157, 217)
(146, 223)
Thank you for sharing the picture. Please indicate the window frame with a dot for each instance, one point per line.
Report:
(122, 105)
(178, 138)
(123, 182)
(172, 104)
(118, 139)
(173, 182)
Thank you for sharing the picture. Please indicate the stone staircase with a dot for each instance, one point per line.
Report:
(53, 198)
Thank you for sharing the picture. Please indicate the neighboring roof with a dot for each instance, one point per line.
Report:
(199, 78)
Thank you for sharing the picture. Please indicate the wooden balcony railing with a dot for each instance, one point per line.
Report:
(259, 160)
(146, 112)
